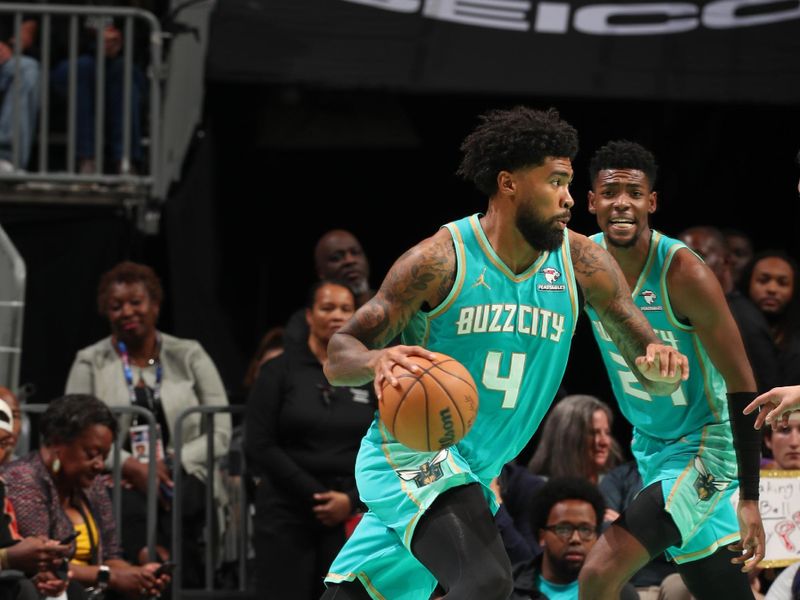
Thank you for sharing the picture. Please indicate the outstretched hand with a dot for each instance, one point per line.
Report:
(752, 546)
(776, 406)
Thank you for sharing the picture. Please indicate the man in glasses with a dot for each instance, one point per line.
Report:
(567, 514)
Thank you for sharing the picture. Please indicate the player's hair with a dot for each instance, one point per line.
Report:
(508, 140)
(622, 154)
(559, 489)
(564, 446)
(128, 272)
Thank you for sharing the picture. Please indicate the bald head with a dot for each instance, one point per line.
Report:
(338, 255)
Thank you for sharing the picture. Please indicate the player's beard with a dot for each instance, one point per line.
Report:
(542, 235)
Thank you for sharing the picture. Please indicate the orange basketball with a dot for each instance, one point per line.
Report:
(433, 409)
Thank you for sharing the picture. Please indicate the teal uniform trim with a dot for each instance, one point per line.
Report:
(513, 333)
(684, 440)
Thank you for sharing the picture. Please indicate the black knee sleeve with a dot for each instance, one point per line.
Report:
(648, 521)
(458, 542)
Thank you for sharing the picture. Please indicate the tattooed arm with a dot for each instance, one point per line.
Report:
(605, 288)
(422, 276)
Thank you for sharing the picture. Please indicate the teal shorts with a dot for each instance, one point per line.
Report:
(698, 476)
(398, 485)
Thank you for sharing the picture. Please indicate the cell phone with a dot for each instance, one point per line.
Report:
(69, 538)
(165, 569)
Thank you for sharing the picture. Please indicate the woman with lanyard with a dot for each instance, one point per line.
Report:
(139, 365)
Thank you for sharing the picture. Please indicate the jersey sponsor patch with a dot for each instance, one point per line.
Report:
(551, 275)
(650, 298)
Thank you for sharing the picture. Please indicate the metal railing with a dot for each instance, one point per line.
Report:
(69, 16)
(208, 413)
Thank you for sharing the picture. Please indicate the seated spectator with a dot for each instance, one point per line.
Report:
(29, 90)
(783, 444)
(740, 248)
(112, 39)
(658, 579)
(9, 441)
(771, 281)
(301, 439)
(36, 557)
(576, 440)
(139, 365)
(566, 516)
(58, 489)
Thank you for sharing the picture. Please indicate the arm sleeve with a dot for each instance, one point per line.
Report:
(746, 442)
(262, 444)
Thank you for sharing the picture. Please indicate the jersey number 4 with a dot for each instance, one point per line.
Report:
(509, 384)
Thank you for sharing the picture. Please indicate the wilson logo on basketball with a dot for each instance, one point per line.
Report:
(447, 425)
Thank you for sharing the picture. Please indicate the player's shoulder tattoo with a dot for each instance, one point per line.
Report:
(425, 273)
(588, 257)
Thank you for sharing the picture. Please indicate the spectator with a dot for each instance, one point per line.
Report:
(34, 556)
(566, 515)
(783, 444)
(139, 365)
(709, 244)
(9, 442)
(740, 247)
(58, 489)
(301, 439)
(771, 284)
(29, 89)
(337, 255)
(113, 42)
(576, 440)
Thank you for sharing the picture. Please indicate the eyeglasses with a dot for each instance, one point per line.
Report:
(565, 531)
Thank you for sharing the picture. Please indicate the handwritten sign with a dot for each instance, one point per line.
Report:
(779, 504)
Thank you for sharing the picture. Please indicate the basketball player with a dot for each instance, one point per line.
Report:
(501, 293)
(687, 444)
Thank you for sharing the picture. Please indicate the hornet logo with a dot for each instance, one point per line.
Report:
(649, 296)
(428, 472)
(706, 484)
(551, 274)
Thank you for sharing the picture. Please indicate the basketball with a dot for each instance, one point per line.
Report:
(433, 409)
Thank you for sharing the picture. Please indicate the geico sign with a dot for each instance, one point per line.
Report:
(644, 18)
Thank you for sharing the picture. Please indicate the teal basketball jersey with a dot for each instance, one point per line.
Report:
(512, 332)
(700, 400)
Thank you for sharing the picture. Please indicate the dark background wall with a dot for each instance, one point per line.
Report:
(275, 167)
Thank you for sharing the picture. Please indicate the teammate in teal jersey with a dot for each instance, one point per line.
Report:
(498, 292)
(694, 445)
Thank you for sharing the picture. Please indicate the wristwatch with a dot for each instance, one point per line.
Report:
(103, 577)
